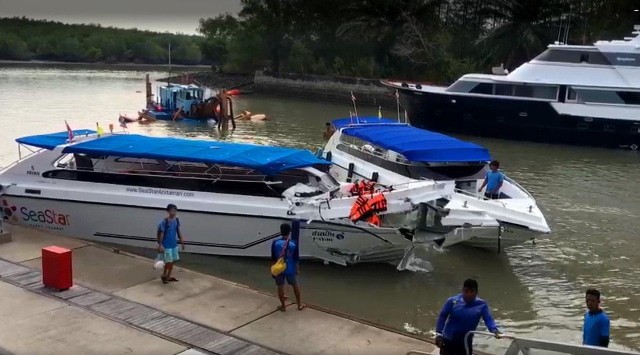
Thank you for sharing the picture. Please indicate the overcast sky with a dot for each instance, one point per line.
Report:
(156, 15)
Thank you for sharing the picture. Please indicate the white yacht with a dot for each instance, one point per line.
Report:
(394, 153)
(231, 197)
(575, 94)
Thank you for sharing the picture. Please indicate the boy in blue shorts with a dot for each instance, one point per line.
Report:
(289, 274)
(168, 236)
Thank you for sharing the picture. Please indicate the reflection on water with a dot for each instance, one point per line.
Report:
(591, 198)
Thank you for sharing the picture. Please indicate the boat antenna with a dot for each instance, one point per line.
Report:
(397, 95)
(559, 29)
(355, 110)
(566, 34)
(169, 78)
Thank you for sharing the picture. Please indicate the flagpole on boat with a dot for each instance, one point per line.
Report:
(169, 78)
(397, 94)
(355, 110)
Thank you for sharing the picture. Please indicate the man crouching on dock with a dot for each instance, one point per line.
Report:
(168, 236)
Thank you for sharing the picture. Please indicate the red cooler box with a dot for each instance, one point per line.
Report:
(57, 268)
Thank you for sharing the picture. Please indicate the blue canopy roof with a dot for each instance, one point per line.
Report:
(52, 140)
(266, 159)
(416, 144)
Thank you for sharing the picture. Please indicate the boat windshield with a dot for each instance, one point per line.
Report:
(183, 175)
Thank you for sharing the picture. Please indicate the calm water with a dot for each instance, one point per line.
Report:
(591, 198)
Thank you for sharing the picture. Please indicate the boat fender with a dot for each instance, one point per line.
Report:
(374, 176)
(328, 156)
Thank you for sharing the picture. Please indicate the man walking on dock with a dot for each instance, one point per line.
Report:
(168, 236)
(460, 315)
(595, 330)
(285, 247)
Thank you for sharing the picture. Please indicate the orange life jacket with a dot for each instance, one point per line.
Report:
(362, 187)
(367, 209)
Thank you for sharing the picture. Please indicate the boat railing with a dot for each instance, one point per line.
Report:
(514, 183)
(524, 346)
(478, 196)
(20, 157)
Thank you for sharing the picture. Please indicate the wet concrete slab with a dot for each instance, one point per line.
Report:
(224, 306)
(27, 244)
(104, 270)
(204, 299)
(34, 324)
(315, 332)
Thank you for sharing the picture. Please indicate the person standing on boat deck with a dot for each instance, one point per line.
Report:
(293, 267)
(493, 180)
(328, 131)
(168, 236)
(460, 315)
(595, 329)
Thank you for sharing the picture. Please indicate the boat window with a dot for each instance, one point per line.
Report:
(537, 91)
(483, 88)
(462, 86)
(600, 96)
(504, 89)
(572, 95)
(630, 97)
(572, 56)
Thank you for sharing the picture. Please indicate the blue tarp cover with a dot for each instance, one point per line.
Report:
(266, 159)
(415, 144)
(52, 140)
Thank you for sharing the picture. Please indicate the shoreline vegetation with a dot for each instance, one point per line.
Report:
(328, 48)
(433, 41)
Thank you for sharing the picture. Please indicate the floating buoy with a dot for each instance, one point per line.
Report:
(233, 92)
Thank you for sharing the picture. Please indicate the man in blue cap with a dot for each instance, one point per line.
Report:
(460, 315)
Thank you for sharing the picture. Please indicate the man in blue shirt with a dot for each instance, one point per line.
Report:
(289, 274)
(460, 315)
(595, 330)
(493, 181)
(168, 236)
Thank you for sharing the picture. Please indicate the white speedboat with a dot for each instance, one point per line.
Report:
(393, 153)
(575, 94)
(231, 197)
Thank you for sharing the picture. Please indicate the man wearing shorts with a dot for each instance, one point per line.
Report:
(291, 258)
(168, 236)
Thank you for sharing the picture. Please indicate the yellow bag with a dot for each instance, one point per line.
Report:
(279, 267)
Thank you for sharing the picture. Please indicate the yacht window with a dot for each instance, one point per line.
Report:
(462, 86)
(504, 89)
(600, 96)
(545, 92)
(572, 95)
(630, 97)
(572, 56)
(584, 58)
(483, 88)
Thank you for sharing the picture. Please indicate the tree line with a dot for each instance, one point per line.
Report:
(429, 40)
(432, 40)
(28, 39)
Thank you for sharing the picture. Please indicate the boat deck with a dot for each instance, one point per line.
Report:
(118, 304)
